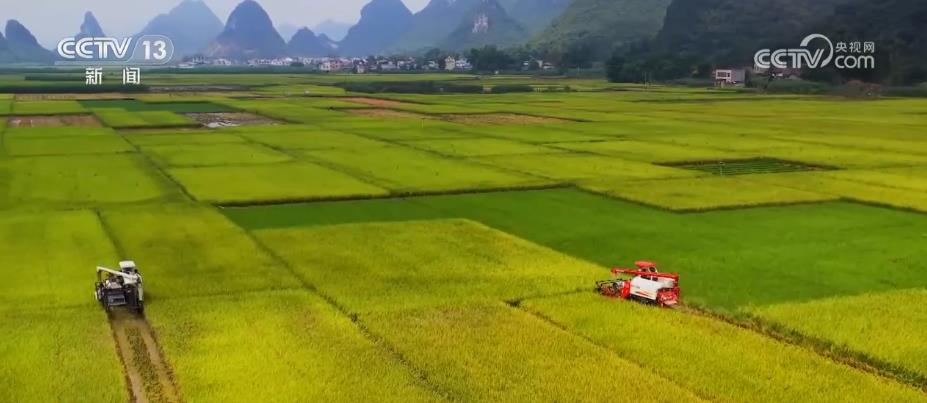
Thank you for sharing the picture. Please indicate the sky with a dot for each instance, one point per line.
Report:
(51, 20)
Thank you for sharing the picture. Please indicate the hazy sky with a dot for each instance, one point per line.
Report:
(51, 20)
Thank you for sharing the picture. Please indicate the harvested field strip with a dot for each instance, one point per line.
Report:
(150, 377)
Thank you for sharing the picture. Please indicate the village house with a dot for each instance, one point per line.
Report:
(730, 77)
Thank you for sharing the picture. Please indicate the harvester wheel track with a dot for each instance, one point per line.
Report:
(148, 374)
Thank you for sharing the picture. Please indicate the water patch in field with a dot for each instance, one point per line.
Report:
(748, 166)
(215, 120)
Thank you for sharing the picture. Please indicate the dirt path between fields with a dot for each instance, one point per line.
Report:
(149, 376)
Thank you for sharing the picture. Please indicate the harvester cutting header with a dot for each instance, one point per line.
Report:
(647, 285)
(121, 287)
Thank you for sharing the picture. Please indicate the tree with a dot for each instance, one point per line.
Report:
(491, 58)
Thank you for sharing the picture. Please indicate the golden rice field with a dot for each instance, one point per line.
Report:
(444, 247)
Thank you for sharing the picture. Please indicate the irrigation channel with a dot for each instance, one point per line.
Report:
(148, 375)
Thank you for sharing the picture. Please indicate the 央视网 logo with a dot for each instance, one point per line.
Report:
(855, 55)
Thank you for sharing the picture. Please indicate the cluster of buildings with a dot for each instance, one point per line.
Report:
(738, 77)
(340, 64)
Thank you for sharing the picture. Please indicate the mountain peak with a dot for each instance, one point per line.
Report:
(249, 33)
(15, 30)
(191, 25)
(22, 44)
(382, 23)
(305, 43)
(90, 27)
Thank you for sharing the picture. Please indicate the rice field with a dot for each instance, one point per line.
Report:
(706, 193)
(494, 352)
(213, 155)
(25, 146)
(848, 321)
(296, 342)
(270, 182)
(444, 247)
(62, 354)
(723, 359)
(453, 261)
(406, 170)
(187, 250)
(87, 180)
(48, 256)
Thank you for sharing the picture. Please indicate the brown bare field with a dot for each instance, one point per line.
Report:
(382, 103)
(53, 121)
(388, 113)
(501, 119)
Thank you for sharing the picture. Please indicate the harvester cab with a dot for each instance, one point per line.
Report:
(648, 285)
(121, 287)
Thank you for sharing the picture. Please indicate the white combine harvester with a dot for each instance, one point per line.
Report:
(121, 287)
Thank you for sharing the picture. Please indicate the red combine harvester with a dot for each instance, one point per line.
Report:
(648, 285)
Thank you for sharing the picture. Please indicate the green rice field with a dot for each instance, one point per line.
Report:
(321, 245)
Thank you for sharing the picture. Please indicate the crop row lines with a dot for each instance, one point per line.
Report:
(560, 327)
(418, 373)
(837, 353)
(154, 166)
(451, 157)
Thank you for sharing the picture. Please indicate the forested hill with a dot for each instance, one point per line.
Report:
(899, 30)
